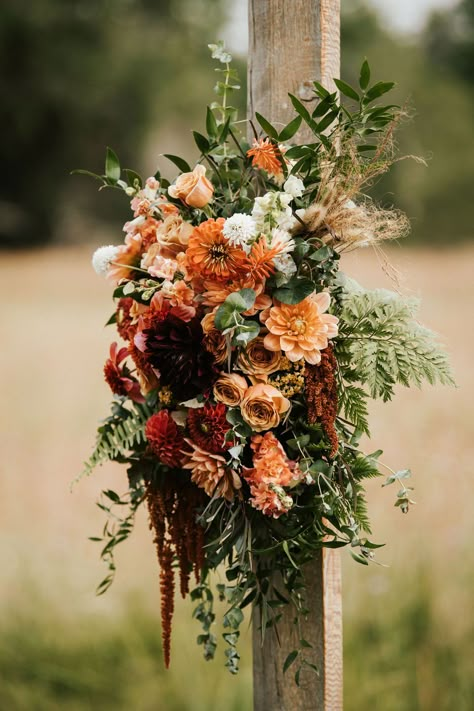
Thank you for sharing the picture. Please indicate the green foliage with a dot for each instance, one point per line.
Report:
(123, 431)
(381, 344)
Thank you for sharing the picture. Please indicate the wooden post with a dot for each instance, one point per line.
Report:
(291, 44)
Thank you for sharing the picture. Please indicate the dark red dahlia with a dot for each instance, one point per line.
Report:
(208, 427)
(175, 349)
(165, 438)
(125, 327)
(118, 376)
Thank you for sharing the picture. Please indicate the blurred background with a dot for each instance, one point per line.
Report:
(136, 75)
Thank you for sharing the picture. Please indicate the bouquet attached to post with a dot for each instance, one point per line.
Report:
(247, 357)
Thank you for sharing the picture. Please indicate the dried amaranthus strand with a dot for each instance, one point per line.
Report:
(321, 395)
(167, 598)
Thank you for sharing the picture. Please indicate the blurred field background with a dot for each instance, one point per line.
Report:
(135, 75)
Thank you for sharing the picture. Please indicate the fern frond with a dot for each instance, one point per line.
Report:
(352, 403)
(381, 344)
(117, 437)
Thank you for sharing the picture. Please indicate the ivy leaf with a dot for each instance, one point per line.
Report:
(267, 126)
(289, 660)
(294, 291)
(346, 89)
(364, 75)
(201, 142)
(290, 129)
(112, 165)
(178, 162)
(378, 90)
(211, 123)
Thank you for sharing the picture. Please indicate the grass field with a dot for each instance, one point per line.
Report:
(408, 635)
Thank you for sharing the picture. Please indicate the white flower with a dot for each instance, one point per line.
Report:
(294, 186)
(240, 230)
(283, 240)
(285, 264)
(102, 257)
(272, 210)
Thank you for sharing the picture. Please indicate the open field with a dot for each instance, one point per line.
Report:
(52, 396)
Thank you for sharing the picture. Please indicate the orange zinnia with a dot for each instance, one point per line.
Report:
(210, 255)
(301, 330)
(265, 155)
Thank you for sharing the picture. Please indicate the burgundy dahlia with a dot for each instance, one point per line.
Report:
(165, 439)
(208, 427)
(175, 349)
(118, 376)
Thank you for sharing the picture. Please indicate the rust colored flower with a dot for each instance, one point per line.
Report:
(216, 292)
(265, 155)
(257, 360)
(263, 406)
(261, 258)
(210, 254)
(321, 396)
(193, 188)
(230, 389)
(301, 330)
(209, 472)
(118, 376)
(165, 439)
(208, 427)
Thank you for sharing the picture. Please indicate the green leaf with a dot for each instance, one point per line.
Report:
(201, 142)
(289, 660)
(245, 333)
(290, 129)
(178, 162)
(364, 75)
(112, 165)
(378, 90)
(211, 123)
(267, 126)
(294, 291)
(300, 109)
(346, 89)
(133, 177)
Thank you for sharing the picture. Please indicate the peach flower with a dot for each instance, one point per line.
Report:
(265, 156)
(209, 472)
(262, 407)
(173, 235)
(301, 330)
(194, 188)
(257, 360)
(216, 293)
(127, 257)
(159, 266)
(230, 389)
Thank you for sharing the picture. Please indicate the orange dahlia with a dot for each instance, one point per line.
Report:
(210, 254)
(301, 330)
(265, 155)
(209, 472)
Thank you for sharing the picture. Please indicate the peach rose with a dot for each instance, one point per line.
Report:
(193, 188)
(172, 236)
(230, 389)
(262, 406)
(255, 359)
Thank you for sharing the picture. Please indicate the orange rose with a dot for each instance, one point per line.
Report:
(230, 389)
(173, 236)
(257, 360)
(193, 188)
(262, 406)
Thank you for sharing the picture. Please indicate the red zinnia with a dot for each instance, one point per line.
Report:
(165, 439)
(208, 427)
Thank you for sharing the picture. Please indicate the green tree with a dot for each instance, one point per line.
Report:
(79, 75)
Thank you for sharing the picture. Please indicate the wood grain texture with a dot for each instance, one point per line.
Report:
(291, 44)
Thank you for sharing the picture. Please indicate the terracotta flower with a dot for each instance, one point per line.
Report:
(257, 360)
(209, 471)
(263, 406)
(265, 155)
(208, 426)
(301, 330)
(230, 389)
(210, 254)
(126, 257)
(118, 376)
(193, 188)
(216, 292)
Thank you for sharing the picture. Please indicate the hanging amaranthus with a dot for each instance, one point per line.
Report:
(321, 395)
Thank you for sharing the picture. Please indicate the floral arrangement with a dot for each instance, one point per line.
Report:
(248, 356)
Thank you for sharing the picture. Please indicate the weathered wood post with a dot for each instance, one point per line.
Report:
(291, 44)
